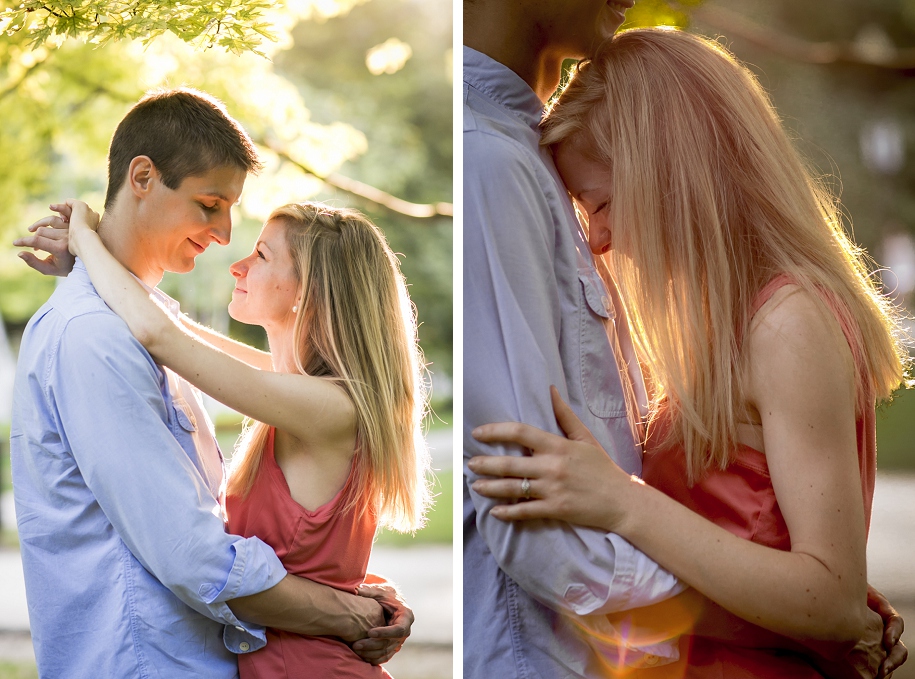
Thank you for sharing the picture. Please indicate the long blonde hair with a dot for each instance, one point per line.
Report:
(356, 325)
(709, 203)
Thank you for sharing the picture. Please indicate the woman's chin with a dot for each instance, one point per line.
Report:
(235, 313)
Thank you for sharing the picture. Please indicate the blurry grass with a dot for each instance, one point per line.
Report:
(9, 538)
(441, 417)
(18, 670)
(896, 433)
(439, 527)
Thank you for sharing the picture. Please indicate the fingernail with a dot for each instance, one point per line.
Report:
(472, 464)
(476, 433)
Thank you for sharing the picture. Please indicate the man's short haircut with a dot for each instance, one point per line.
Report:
(184, 132)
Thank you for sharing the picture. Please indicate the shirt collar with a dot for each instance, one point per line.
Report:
(502, 85)
(171, 304)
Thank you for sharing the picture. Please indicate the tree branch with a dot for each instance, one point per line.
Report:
(347, 185)
(732, 24)
(369, 193)
(25, 74)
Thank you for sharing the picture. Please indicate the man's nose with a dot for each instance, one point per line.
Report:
(221, 231)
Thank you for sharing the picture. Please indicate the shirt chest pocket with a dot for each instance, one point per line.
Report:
(184, 416)
(600, 377)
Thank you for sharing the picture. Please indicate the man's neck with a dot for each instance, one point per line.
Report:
(126, 242)
(506, 33)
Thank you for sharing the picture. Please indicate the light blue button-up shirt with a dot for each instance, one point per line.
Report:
(127, 563)
(537, 313)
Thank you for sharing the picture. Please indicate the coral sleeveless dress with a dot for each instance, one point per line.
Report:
(326, 546)
(741, 499)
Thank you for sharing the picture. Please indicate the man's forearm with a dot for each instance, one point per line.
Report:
(305, 607)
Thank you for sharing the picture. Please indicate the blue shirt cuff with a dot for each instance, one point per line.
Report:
(256, 569)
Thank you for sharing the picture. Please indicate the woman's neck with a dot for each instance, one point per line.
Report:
(282, 351)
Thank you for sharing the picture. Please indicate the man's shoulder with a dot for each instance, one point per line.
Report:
(76, 314)
(492, 140)
(508, 179)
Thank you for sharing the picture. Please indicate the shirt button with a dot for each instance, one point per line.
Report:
(651, 660)
(244, 647)
(240, 628)
(606, 302)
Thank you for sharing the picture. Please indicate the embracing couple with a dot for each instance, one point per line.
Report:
(142, 558)
(653, 248)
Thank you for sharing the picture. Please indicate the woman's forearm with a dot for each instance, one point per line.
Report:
(248, 354)
(792, 593)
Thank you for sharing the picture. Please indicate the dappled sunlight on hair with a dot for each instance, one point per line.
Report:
(710, 202)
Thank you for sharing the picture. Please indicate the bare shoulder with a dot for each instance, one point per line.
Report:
(796, 343)
(793, 320)
(328, 411)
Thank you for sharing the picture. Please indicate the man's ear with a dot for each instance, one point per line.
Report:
(141, 175)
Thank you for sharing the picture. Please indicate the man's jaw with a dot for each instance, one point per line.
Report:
(619, 7)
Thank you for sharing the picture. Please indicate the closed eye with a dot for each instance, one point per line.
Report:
(210, 208)
(260, 254)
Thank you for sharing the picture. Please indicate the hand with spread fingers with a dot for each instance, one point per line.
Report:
(57, 235)
(561, 478)
(51, 235)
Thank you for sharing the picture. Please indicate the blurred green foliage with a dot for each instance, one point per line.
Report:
(315, 100)
(829, 108)
(407, 120)
(235, 25)
(895, 440)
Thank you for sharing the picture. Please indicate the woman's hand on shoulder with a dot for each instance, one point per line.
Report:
(570, 479)
(82, 220)
(49, 234)
(59, 236)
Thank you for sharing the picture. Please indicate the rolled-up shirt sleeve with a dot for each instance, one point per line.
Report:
(513, 327)
(113, 418)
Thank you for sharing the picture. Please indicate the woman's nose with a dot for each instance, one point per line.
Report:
(599, 238)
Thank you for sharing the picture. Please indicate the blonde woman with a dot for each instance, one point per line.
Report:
(764, 341)
(335, 449)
